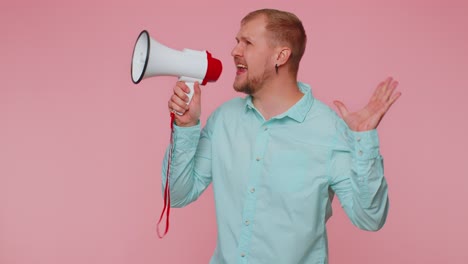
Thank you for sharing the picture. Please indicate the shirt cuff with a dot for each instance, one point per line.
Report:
(366, 144)
(187, 137)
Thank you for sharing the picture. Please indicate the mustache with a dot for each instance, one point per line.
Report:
(240, 62)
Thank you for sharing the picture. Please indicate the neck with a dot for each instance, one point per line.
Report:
(276, 97)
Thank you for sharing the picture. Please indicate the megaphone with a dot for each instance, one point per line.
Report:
(151, 58)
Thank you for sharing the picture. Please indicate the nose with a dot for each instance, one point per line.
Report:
(236, 51)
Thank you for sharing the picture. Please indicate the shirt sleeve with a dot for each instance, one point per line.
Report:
(357, 177)
(190, 166)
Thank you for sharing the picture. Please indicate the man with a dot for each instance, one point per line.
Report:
(277, 156)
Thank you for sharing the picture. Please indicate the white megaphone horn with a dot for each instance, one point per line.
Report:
(151, 58)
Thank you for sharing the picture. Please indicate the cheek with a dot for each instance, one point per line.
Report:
(258, 68)
(255, 62)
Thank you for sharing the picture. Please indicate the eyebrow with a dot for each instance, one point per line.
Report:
(244, 39)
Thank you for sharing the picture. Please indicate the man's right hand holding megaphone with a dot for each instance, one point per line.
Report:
(189, 110)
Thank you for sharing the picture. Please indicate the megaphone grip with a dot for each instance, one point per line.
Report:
(192, 90)
(190, 82)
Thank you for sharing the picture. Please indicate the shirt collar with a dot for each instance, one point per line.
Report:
(298, 111)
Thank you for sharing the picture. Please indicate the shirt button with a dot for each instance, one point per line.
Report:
(247, 222)
(360, 153)
(252, 190)
(266, 128)
(258, 159)
(358, 139)
(242, 254)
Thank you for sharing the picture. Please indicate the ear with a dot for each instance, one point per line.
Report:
(283, 55)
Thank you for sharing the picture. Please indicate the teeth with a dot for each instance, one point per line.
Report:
(241, 66)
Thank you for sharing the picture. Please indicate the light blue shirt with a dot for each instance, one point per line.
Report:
(273, 181)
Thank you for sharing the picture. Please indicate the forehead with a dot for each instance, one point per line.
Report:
(253, 28)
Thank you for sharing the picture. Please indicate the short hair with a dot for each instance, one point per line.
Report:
(285, 29)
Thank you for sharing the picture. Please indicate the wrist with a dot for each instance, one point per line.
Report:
(186, 124)
(362, 128)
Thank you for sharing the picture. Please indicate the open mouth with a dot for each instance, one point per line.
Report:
(241, 68)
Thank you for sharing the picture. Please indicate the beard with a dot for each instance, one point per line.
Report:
(248, 86)
(251, 85)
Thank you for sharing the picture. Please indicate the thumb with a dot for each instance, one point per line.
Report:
(341, 108)
(196, 92)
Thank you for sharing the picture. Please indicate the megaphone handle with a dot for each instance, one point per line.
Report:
(190, 94)
(192, 90)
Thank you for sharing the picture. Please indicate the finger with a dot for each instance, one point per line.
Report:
(394, 98)
(183, 86)
(196, 93)
(382, 90)
(177, 104)
(178, 111)
(171, 107)
(390, 90)
(341, 108)
(181, 90)
(387, 84)
(378, 91)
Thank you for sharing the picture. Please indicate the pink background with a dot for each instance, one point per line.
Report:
(81, 146)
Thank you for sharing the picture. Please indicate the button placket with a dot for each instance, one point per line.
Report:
(248, 213)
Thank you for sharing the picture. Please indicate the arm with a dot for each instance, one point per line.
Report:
(356, 166)
(190, 168)
(356, 170)
(190, 171)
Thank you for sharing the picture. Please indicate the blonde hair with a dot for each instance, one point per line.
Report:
(285, 29)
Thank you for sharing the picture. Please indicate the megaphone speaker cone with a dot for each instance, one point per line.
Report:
(140, 57)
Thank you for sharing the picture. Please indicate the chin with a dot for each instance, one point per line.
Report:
(245, 86)
(239, 86)
(247, 89)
